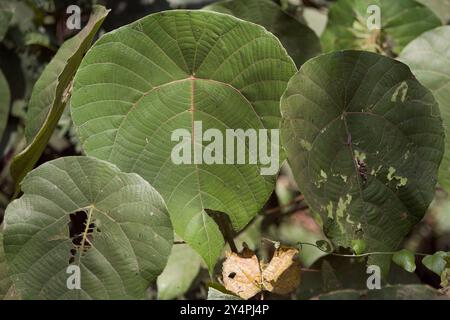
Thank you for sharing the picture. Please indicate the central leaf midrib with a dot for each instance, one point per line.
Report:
(190, 78)
(197, 173)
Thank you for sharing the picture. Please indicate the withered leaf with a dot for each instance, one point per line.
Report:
(245, 276)
(282, 274)
(241, 274)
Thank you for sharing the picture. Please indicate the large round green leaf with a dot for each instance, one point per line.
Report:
(428, 57)
(299, 40)
(165, 72)
(364, 139)
(120, 246)
(401, 22)
(4, 103)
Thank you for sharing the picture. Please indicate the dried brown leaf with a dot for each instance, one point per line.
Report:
(245, 276)
(241, 274)
(282, 274)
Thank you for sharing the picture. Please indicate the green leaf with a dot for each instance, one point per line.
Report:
(23, 17)
(428, 57)
(299, 40)
(5, 97)
(405, 292)
(345, 294)
(121, 242)
(401, 22)
(164, 72)
(405, 259)
(217, 292)
(358, 246)
(436, 262)
(6, 14)
(39, 39)
(441, 8)
(364, 140)
(5, 281)
(181, 270)
(324, 246)
(395, 292)
(51, 93)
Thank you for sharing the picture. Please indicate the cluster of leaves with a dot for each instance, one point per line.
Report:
(362, 129)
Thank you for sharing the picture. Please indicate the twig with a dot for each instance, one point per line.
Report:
(296, 200)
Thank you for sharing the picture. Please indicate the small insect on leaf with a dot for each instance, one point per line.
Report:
(243, 274)
(436, 262)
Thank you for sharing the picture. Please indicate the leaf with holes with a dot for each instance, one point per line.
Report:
(299, 40)
(428, 57)
(364, 139)
(4, 103)
(185, 70)
(80, 211)
(51, 93)
(354, 24)
(245, 275)
(437, 262)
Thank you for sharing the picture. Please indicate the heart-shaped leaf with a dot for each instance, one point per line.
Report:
(437, 262)
(173, 70)
(299, 40)
(405, 259)
(4, 103)
(355, 24)
(358, 246)
(364, 140)
(83, 212)
(428, 57)
(51, 93)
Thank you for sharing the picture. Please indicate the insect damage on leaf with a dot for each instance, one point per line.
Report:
(246, 276)
(242, 274)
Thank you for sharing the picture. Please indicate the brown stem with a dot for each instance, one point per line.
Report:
(296, 200)
(224, 222)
